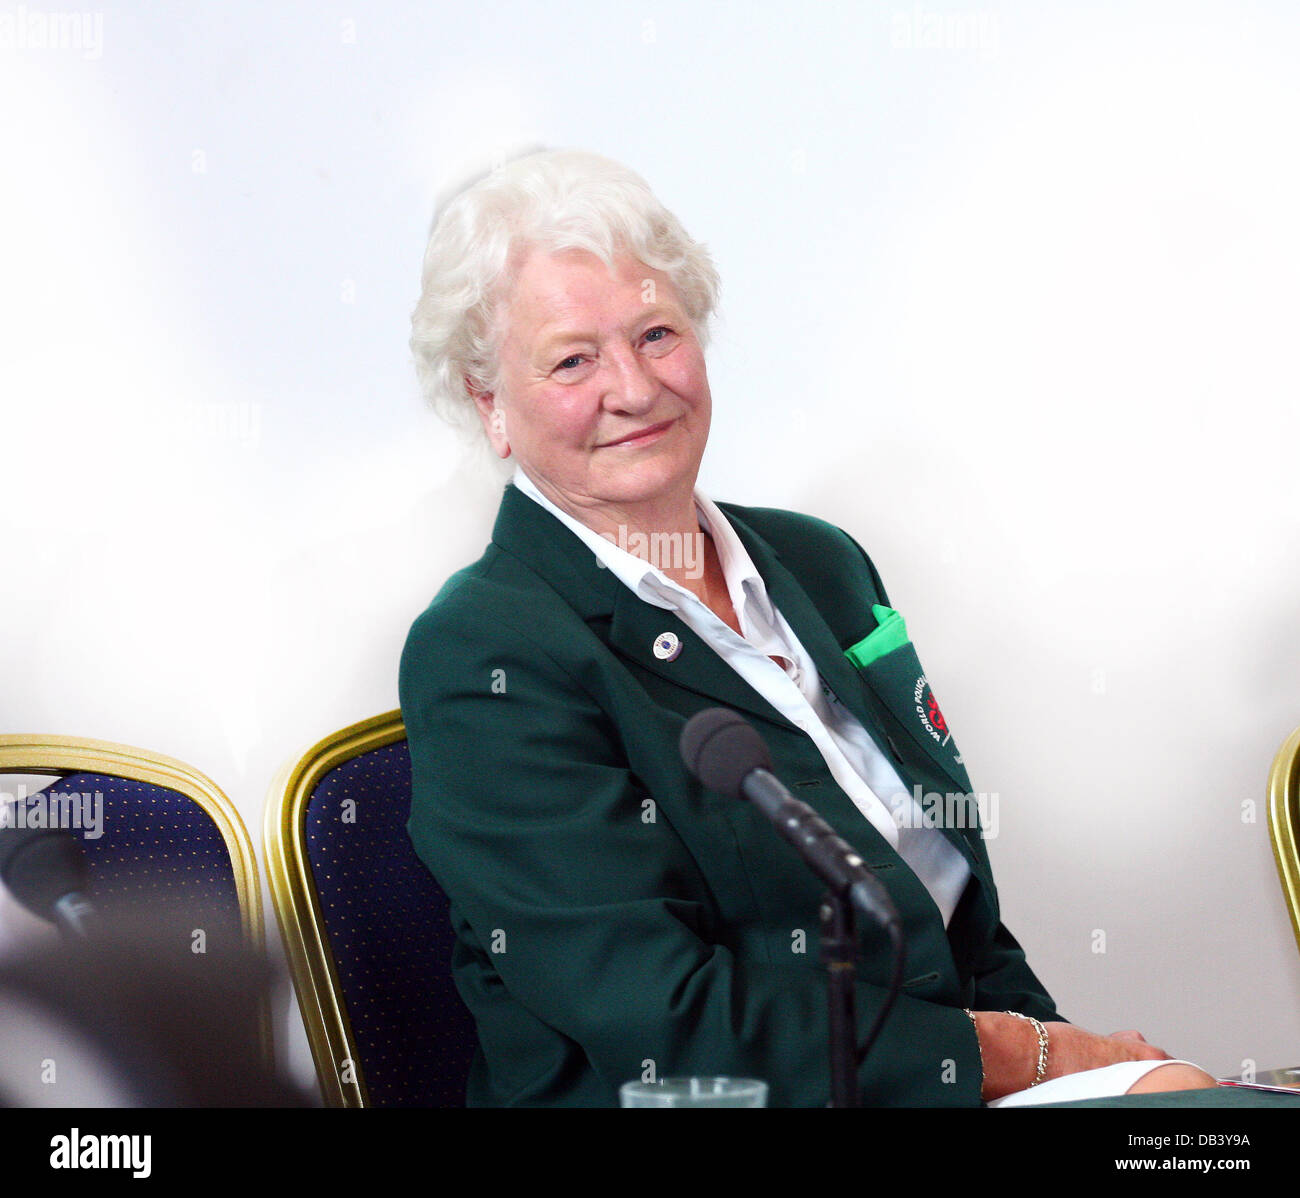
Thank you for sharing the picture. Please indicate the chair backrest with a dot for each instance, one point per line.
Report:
(158, 837)
(1284, 823)
(365, 925)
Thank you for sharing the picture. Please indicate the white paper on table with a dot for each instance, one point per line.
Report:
(1107, 1082)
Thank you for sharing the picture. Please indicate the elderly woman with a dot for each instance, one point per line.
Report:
(615, 919)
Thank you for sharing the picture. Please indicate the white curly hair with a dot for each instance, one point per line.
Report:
(554, 199)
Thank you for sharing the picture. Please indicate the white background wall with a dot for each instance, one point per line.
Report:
(1010, 293)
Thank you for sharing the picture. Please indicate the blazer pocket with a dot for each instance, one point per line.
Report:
(899, 682)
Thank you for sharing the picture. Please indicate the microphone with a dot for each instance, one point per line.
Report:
(45, 870)
(724, 752)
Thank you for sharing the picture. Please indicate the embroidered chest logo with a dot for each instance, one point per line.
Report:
(927, 707)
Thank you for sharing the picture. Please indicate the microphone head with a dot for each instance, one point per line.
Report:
(41, 865)
(721, 748)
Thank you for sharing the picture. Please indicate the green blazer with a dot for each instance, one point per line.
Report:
(615, 919)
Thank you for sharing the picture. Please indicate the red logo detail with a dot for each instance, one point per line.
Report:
(936, 716)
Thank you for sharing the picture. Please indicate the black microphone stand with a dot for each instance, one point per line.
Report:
(839, 955)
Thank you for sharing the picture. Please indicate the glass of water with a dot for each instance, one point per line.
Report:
(694, 1091)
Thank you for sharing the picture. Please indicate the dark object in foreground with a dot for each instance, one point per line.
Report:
(142, 1014)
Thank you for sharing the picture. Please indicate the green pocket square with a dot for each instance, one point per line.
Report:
(890, 635)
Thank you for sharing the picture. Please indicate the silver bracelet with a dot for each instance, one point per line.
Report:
(978, 1046)
(1041, 1071)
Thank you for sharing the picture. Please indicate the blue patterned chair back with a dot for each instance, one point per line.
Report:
(406, 1038)
(149, 848)
(158, 836)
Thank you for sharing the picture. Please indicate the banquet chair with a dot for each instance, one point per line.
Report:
(1284, 823)
(166, 854)
(365, 926)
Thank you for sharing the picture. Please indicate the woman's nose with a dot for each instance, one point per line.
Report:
(632, 385)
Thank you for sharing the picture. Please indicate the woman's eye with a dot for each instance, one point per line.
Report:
(658, 334)
(571, 362)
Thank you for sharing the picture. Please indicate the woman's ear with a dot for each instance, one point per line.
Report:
(493, 417)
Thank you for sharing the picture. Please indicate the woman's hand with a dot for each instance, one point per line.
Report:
(1009, 1048)
(1072, 1049)
(1175, 1076)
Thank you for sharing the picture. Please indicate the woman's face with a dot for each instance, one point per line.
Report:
(603, 398)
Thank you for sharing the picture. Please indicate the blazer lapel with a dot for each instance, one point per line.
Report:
(626, 623)
(697, 667)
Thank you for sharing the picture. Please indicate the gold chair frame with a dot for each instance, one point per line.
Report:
(298, 909)
(58, 756)
(1284, 823)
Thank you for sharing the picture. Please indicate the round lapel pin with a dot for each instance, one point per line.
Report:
(667, 646)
